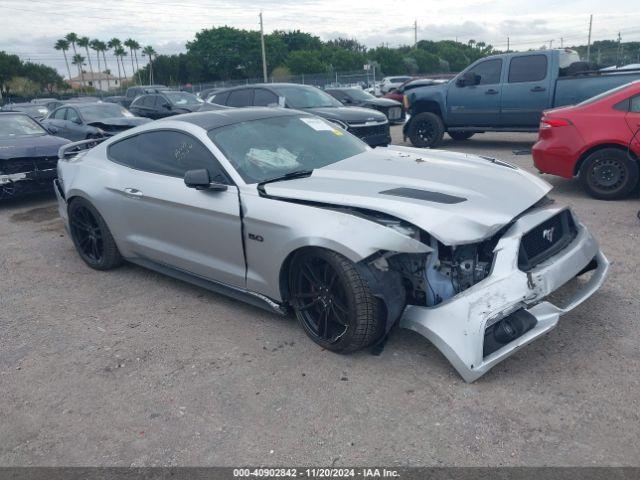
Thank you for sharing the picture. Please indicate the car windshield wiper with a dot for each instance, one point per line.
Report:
(286, 176)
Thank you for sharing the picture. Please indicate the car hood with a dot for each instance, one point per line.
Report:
(381, 102)
(465, 198)
(40, 146)
(120, 122)
(348, 114)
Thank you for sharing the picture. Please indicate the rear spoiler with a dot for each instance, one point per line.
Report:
(74, 148)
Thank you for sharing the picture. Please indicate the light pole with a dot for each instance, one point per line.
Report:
(264, 56)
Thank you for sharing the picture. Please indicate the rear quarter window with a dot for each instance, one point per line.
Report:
(529, 68)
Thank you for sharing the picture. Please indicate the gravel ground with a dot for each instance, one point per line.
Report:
(132, 368)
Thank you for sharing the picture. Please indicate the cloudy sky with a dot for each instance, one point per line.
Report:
(29, 28)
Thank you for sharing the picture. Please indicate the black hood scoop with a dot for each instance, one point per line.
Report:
(424, 195)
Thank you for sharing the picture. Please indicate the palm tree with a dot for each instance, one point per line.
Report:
(103, 49)
(95, 46)
(129, 43)
(84, 42)
(78, 61)
(120, 52)
(114, 44)
(135, 48)
(72, 38)
(63, 45)
(149, 52)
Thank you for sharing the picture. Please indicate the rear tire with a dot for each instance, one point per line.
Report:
(91, 236)
(609, 174)
(459, 136)
(426, 130)
(332, 302)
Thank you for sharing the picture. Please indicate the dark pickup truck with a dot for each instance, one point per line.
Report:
(504, 93)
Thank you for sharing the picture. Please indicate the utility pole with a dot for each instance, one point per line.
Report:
(507, 44)
(550, 44)
(589, 41)
(264, 56)
(618, 51)
(415, 33)
(561, 42)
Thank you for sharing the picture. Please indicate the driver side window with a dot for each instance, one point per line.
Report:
(634, 105)
(72, 115)
(166, 152)
(60, 113)
(488, 72)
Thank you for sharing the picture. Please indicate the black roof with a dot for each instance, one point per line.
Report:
(221, 118)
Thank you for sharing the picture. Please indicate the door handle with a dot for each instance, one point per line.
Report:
(491, 91)
(133, 192)
(538, 89)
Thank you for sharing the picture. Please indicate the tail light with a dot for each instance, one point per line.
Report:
(550, 122)
(405, 102)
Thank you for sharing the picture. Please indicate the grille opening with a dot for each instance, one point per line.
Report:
(546, 240)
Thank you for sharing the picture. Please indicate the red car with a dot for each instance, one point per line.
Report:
(597, 140)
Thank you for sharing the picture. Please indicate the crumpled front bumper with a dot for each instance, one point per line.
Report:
(457, 326)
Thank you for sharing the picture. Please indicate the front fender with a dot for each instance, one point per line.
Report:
(282, 227)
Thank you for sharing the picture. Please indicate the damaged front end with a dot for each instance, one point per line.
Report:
(24, 175)
(479, 303)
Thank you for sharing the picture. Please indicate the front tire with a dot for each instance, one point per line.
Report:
(332, 302)
(91, 236)
(461, 135)
(426, 130)
(609, 174)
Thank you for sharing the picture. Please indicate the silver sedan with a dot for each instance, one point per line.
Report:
(288, 211)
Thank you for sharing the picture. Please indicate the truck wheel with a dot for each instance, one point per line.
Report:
(426, 130)
(609, 174)
(333, 302)
(461, 135)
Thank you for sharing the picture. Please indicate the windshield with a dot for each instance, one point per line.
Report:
(36, 110)
(306, 97)
(94, 113)
(183, 98)
(19, 126)
(358, 94)
(267, 148)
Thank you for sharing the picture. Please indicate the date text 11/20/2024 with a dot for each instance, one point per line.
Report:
(316, 472)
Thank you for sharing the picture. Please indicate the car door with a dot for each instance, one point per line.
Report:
(75, 129)
(526, 91)
(164, 221)
(57, 121)
(478, 104)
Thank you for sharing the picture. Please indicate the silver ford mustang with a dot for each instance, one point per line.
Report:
(286, 210)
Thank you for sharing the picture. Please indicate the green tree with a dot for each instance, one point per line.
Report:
(84, 42)
(115, 44)
(305, 62)
(78, 61)
(149, 52)
(63, 46)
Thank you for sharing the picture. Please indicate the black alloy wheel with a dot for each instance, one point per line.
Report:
(91, 236)
(426, 130)
(86, 231)
(332, 302)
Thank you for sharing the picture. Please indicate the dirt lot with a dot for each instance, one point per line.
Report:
(132, 368)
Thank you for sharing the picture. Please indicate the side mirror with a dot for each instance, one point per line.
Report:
(52, 130)
(347, 101)
(200, 180)
(166, 106)
(77, 121)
